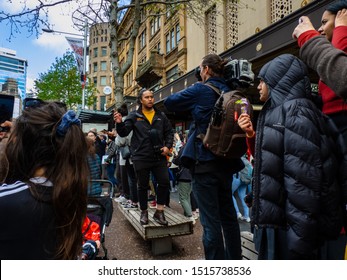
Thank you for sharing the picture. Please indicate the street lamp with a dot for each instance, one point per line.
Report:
(85, 34)
(62, 32)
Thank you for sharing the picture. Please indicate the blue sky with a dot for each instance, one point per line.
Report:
(39, 52)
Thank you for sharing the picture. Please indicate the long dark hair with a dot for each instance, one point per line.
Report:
(35, 144)
(337, 6)
(215, 63)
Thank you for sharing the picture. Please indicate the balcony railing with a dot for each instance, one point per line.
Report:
(151, 70)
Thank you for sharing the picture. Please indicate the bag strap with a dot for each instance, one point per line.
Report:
(215, 89)
(218, 91)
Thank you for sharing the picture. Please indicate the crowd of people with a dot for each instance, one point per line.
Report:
(294, 193)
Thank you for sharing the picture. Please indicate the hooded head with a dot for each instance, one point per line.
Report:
(287, 78)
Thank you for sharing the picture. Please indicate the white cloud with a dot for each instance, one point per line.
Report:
(59, 18)
(56, 43)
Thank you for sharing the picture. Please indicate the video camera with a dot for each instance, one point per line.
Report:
(197, 73)
(237, 73)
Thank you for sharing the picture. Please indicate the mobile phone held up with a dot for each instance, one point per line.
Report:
(8, 107)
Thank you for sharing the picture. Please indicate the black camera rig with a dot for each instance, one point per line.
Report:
(237, 73)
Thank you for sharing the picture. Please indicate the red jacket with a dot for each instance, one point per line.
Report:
(331, 102)
(90, 230)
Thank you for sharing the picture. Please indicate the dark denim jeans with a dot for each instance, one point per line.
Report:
(221, 231)
(110, 169)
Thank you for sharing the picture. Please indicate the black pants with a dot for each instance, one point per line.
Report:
(128, 179)
(159, 170)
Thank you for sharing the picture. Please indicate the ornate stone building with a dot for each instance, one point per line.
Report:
(172, 44)
(100, 72)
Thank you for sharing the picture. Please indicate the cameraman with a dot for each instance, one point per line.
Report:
(212, 176)
(150, 144)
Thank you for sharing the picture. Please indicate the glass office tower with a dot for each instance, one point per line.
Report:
(13, 73)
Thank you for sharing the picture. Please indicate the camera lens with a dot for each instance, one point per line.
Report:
(4, 128)
(197, 73)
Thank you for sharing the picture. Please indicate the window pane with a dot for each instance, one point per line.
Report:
(178, 35)
(103, 66)
(172, 39)
(102, 103)
(168, 49)
(152, 28)
(172, 74)
(103, 81)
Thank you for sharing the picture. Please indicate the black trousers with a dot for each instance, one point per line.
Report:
(160, 171)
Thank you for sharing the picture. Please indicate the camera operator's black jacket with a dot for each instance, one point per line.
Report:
(141, 146)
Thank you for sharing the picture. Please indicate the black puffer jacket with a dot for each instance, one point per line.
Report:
(141, 143)
(296, 171)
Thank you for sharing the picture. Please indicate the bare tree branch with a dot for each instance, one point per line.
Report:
(30, 18)
(111, 11)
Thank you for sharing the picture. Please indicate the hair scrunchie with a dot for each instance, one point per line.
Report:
(68, 119)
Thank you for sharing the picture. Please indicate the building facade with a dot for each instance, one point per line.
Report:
(171, 44)
(100, 71)
(13, 73)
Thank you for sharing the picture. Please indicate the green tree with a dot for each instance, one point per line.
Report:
(62, 82)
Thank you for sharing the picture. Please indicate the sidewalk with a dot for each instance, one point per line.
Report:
(124, 243)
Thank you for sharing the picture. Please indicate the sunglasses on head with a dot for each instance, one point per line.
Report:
(35, 103)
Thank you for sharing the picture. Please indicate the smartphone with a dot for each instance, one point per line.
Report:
(9, 107)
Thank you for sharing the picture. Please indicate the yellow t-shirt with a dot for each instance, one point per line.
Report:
(149, 115)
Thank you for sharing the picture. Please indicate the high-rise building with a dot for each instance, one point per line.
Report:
(13, 73)
(100, 72)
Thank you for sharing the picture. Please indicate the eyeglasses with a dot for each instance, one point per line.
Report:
(30, 102)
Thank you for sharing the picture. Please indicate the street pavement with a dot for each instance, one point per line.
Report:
(124, 243)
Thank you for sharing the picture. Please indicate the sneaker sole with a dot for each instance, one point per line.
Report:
(129, 207)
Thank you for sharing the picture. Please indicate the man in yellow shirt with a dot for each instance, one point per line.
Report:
(150, 144)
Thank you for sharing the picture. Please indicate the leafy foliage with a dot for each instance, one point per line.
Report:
(62, 82)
